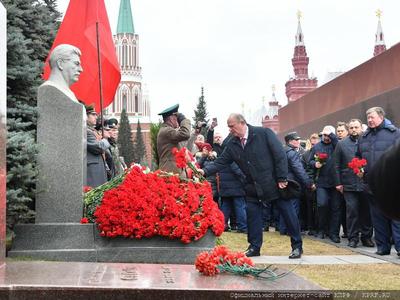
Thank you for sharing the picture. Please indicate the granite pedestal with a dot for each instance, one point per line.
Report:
(57, 280)
(82, 242)
(3, 132)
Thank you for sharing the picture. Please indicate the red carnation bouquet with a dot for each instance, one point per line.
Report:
(221, 259)
(357, 165)
(320, 157)
(185, 159)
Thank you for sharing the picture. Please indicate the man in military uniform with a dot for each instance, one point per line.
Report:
(173, 132)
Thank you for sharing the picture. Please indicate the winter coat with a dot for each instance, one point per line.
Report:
(326, 174)
(262, 160)
(384, 181)
(375, 141)
(212, 179)
(345, 151)
(96, 168)
(296, 170)
(168, 138)
(231, 181)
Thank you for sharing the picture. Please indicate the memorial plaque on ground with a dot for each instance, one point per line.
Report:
(144, 281)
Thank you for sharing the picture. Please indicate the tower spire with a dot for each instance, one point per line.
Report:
(125, 20)
(299, 35)
(301, 84)
(379, 37)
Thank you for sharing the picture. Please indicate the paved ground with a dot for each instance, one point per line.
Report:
(362, 255)
(366, 251)
(319, 260)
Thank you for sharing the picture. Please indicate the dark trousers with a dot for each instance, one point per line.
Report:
(328, 206)
(383, 226)
(254, 222)
(282, 223)
(311, 209)
(358, 218)
(343, 213)
(238, 204)
(270, 214)
(288, 212)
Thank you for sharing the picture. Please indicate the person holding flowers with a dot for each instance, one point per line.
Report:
(174, 131)
(378, 138)
(261, 157)
(358, 219)
(328, 202)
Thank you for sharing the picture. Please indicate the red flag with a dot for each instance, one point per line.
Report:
(79, 29)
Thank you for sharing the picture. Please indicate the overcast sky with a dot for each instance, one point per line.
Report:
(237, 49)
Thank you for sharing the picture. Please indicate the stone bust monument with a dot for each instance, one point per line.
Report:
(65, 65)
(61, 137)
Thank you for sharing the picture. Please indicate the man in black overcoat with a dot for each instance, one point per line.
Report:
(259, 154)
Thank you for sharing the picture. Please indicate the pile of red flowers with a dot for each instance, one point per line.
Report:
(357, 165)
(212, 263)
(145, 205)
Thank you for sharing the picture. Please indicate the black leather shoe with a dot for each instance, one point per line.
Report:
(367, 243)
(380, 252)
(296, 253)
(252, 252)
(335, 239)
(353, 244)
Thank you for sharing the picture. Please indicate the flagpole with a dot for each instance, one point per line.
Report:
(100, 77)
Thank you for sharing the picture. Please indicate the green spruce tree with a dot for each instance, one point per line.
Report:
(200, 114)
(155, 160)
(139, 147)
(31, 28)
(125, 143)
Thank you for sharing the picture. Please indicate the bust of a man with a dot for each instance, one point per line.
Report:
(65, 65)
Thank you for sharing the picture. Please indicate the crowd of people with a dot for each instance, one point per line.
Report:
(102, 157)
(300, 186)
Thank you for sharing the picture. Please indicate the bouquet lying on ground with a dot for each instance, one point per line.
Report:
(221, 259)
(357, 165)
(145, 204)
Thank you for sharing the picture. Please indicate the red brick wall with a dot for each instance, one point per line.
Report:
(376, 76)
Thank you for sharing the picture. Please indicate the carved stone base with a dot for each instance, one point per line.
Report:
(82, 242)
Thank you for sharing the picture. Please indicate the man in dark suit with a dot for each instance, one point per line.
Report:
(259, 154)
(351, 187)
(378, 138)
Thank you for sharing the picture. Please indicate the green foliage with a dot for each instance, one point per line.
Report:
(31, 28)
(200, 114)
(125, 143)
(154, 129)
(139, 148)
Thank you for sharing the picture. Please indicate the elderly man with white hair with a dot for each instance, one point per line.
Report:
(328, 202)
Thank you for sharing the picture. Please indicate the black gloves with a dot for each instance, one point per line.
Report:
(180, 117)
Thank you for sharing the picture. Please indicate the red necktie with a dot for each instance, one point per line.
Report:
(243, 141)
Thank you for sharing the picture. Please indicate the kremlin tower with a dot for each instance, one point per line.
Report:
(271, 119)
(301, 84)
(379, 37)
(131, 94)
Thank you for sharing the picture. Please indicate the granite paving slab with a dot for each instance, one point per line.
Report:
(318, 260)
(74, 280)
